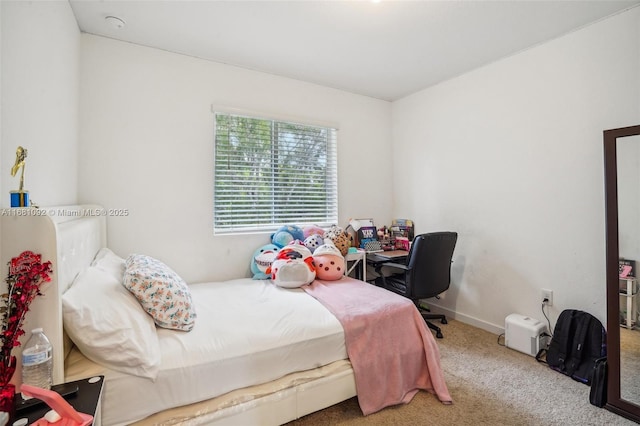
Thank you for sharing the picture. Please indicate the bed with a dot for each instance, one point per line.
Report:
(287, 359)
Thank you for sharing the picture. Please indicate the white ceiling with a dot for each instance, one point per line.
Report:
(385, 50)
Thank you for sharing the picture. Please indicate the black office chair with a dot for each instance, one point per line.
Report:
(426, 273)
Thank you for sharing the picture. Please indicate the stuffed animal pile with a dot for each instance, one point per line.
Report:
(296, 256)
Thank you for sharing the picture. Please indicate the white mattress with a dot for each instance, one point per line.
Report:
(247, 332)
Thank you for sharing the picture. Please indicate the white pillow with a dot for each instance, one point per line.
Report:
(107, 324)
(106, 260)
(161, 292)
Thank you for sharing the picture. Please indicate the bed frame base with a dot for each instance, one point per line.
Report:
(288, 405)
(273, 408)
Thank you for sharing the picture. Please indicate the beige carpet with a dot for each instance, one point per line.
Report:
(490, 385)
(630, 364)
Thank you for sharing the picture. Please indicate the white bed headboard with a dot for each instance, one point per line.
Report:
(69, 237)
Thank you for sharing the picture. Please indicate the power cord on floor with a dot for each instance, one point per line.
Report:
(499, 336)
(541, 356)
(550, 335)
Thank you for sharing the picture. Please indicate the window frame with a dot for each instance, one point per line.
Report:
(330, 216)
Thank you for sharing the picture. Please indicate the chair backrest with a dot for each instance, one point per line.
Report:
(429, 264)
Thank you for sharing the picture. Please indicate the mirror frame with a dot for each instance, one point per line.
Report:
(614, 401)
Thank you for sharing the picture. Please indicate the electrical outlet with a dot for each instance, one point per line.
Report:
(546, 294)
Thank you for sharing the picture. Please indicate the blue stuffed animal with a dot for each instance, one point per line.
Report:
(287, 233)
(262, 259)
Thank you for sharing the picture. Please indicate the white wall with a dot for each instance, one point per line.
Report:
(147, 146)
(40, 59)
(511, 157)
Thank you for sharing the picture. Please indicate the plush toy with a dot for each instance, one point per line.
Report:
(293, 267)
(285, 234)
(297, 246)
(339, 238)
(313, 241)
(262, 259)
(310, 230)
(329, 262)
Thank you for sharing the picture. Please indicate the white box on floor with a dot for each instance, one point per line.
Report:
(524, 334)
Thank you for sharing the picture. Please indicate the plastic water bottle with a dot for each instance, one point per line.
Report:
(37, 361)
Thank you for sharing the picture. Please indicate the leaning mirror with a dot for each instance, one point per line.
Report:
(628, 162)
(622, 184)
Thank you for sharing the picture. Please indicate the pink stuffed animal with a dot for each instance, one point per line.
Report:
(329, 262)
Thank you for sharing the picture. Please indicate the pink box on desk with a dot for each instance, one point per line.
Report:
(402, 243)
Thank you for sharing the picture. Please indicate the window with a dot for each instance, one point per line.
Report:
(269, 173)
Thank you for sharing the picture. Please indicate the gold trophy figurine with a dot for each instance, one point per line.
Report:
(20, 198)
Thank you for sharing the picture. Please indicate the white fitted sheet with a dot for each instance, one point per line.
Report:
(247, 332)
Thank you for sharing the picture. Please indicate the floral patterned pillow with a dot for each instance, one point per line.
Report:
(161, 292)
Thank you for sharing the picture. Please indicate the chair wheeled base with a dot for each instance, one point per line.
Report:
(429, 316)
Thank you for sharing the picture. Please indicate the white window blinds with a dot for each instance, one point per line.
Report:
(269, 173)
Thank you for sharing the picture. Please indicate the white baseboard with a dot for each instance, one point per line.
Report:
(491, 328)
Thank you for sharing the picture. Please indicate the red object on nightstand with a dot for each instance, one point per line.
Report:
(53, 399)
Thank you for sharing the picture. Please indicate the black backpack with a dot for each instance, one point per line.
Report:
(578, 341)
(598, 392)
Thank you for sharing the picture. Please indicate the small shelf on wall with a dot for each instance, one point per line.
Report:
(628, 304)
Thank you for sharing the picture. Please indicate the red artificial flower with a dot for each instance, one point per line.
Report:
(26, 274)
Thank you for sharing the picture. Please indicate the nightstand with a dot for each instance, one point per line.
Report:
(85, 400)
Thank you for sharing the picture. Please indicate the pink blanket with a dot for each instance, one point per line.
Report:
(392, 352)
